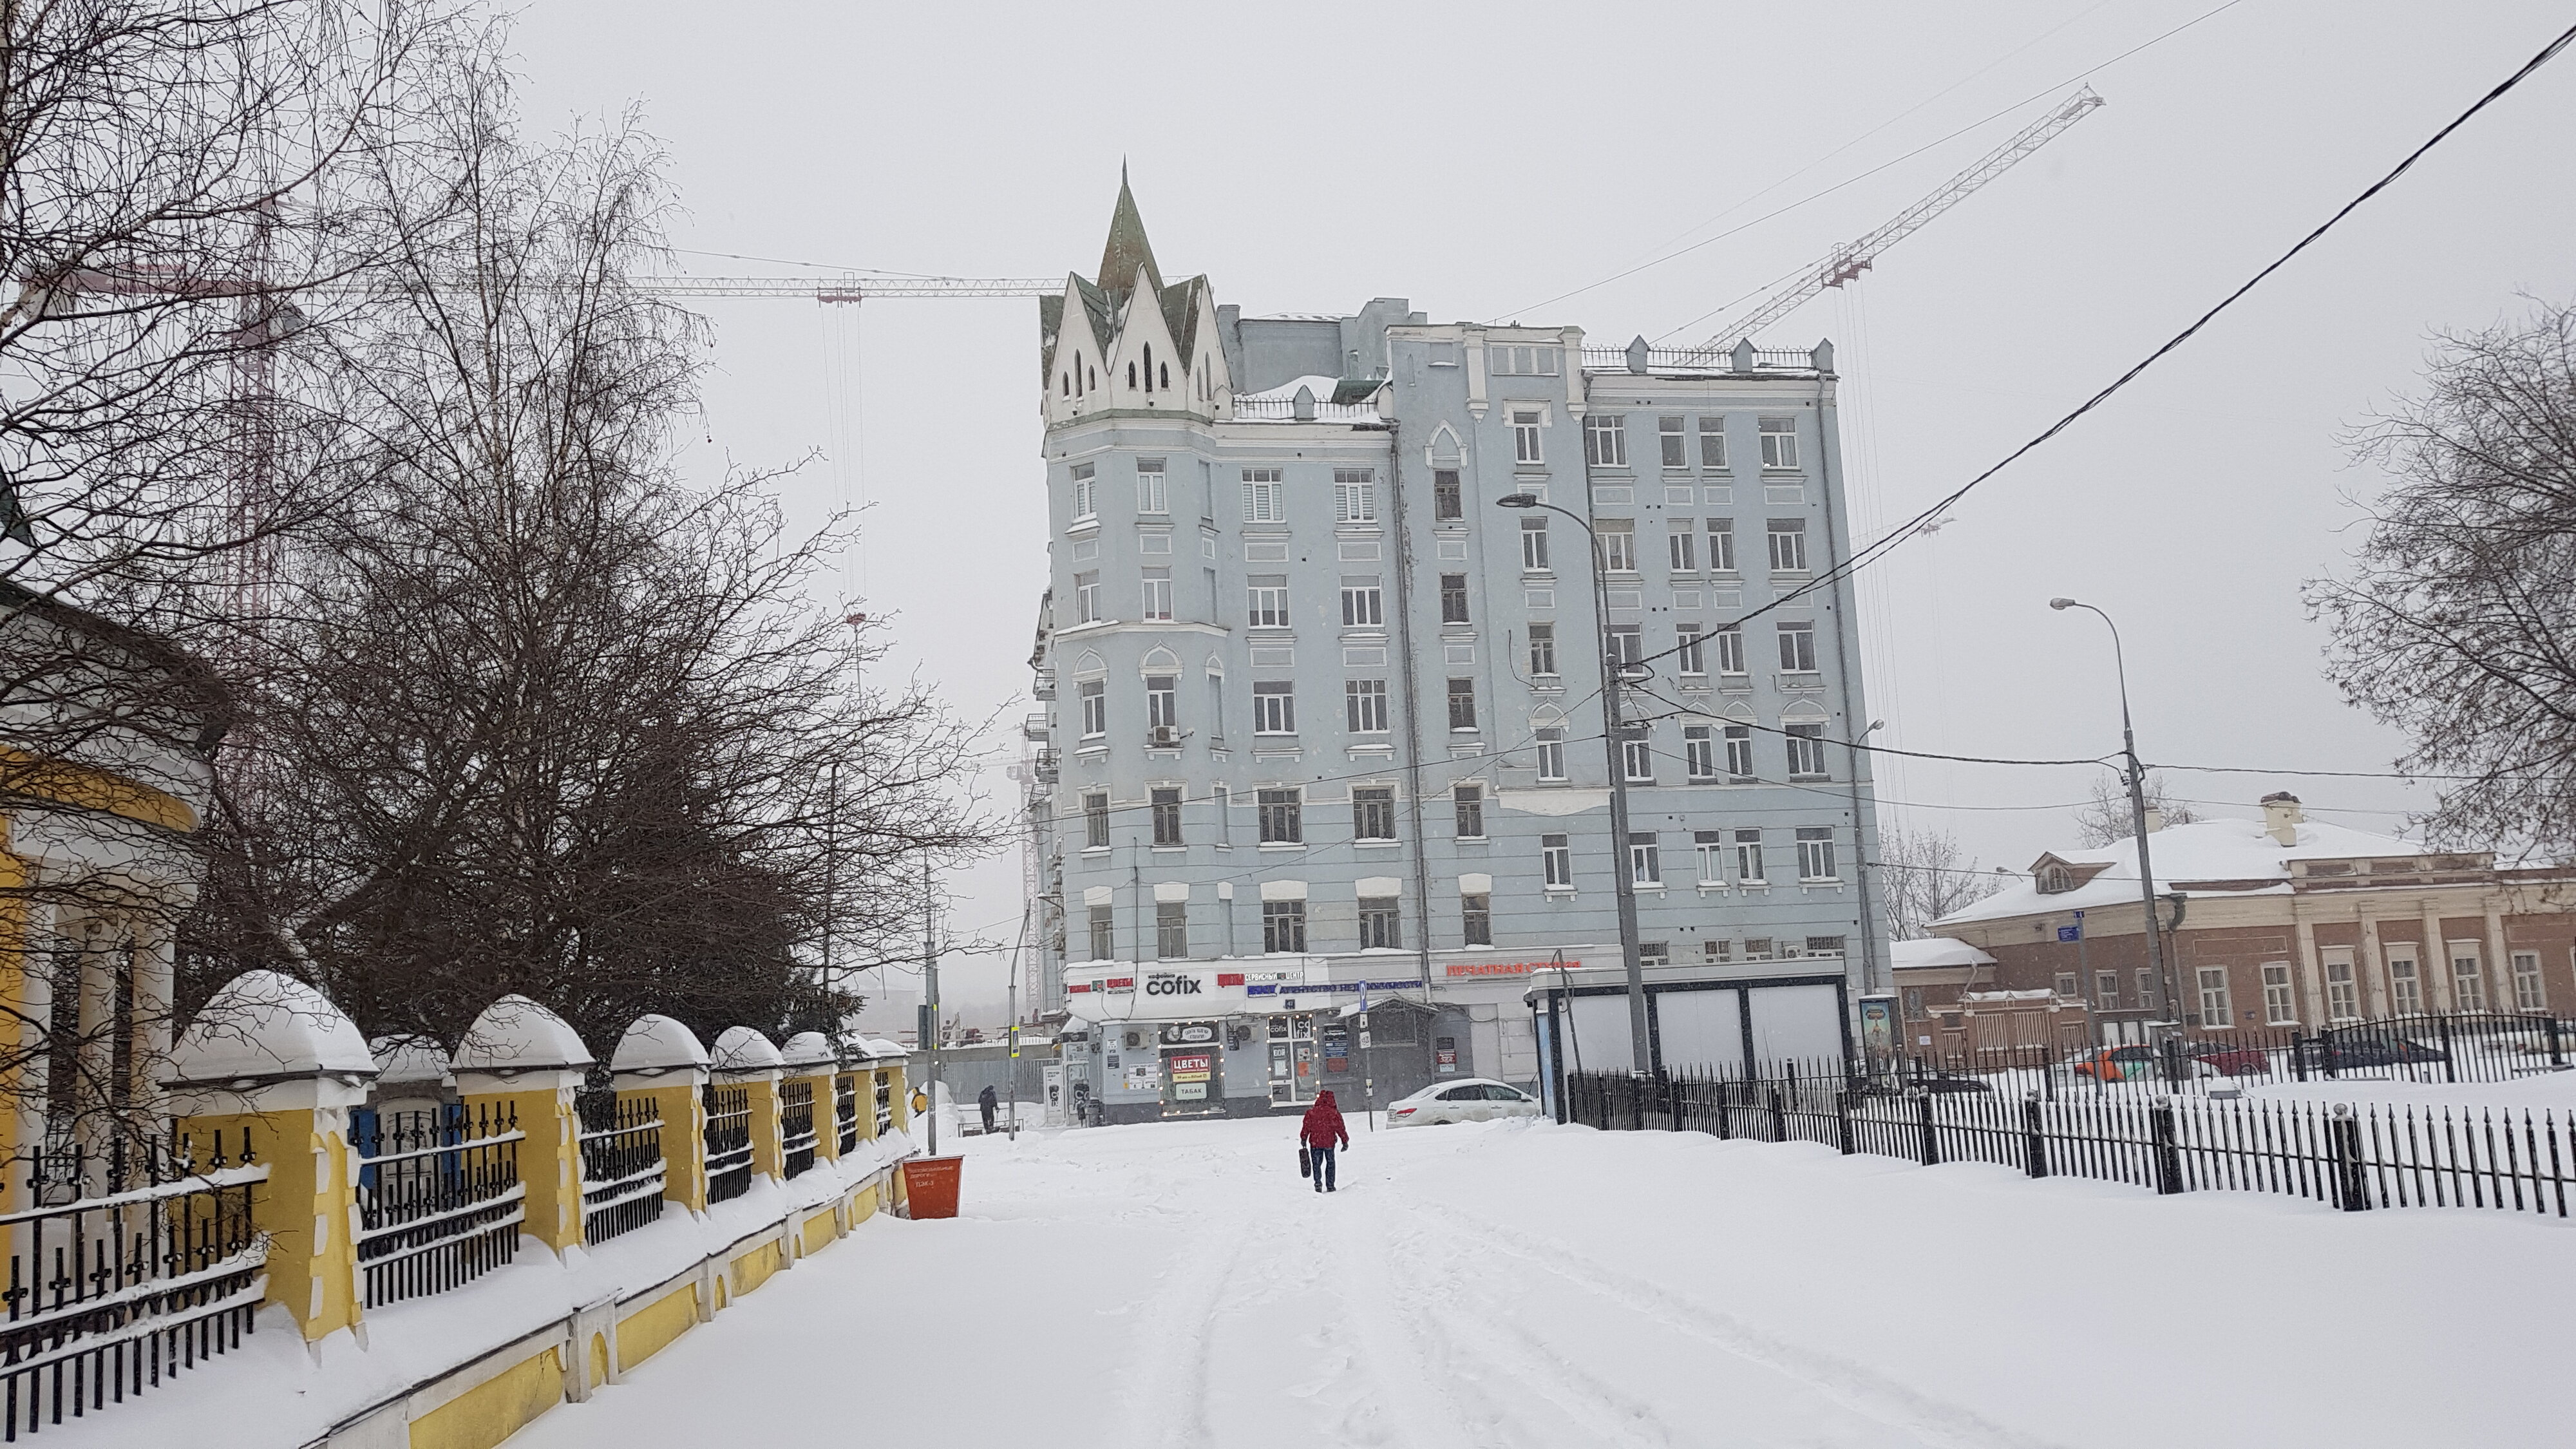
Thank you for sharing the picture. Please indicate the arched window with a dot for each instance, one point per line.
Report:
(1064, 383)
(1094, 376)
(1149, 368)
(2056, 880)
(1077, 374)
(1131, 376)
(1167, 377)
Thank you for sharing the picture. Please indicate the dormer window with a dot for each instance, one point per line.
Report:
(2056, 880)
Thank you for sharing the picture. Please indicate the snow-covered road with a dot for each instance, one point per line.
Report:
(1525, 1284)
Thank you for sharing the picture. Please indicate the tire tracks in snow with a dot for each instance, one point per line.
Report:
(1864, 1391)
(1167, 1401)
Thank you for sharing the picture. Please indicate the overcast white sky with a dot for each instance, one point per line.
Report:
(1481, 159)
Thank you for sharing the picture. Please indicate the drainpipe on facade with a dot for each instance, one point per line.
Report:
(1861, 864)
(1412, 691)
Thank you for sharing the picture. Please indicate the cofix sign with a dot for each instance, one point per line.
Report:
(1173, 986)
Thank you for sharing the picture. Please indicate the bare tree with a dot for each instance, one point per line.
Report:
(2456, 622)
(1928, 877)
(538, 717)
(2109, 817)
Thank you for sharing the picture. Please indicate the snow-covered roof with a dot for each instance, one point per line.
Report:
(266, 1024)
(1935, 951)
(656, 1043)
(744, 1049)
(515, 1034)
(2190, 858)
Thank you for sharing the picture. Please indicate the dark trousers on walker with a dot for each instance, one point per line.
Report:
(1323, 1168)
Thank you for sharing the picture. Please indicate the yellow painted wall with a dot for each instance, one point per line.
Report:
(650, 1329)
(308, 1191)
(549, 1160)
(818, 1230)
(492, 1411)
(684, 1141)
(753, 1268)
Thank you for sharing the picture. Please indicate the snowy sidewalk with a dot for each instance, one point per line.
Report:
(1523, 1284)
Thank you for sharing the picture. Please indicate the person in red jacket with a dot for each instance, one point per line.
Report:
(1321, 1130)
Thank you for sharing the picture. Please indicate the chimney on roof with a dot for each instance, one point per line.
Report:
(2282, 817)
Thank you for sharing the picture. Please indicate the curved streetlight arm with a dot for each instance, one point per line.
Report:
(2166, 974)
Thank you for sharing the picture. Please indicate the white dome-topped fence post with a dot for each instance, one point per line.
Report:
(660, 1061)
(266, 1074)
(521, 1067)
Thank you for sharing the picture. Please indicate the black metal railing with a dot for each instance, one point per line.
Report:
(439, 1198)
(728, 1142)
(2423, 1047)
(622, 1171)
(884, 1102)
(2374, 1155)
(796, 1125)
(153, 1270)
(845, 1112)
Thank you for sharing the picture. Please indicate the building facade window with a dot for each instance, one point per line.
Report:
(1779, 443)
(1448, 502)
(1551, 754)
(1373, 813)
(1262, 500)
(1151, 494)
(1104, 933)
(1739, 754)
(1626, 643)
(1453, 598)
(1712, 443)
(2107, 990)
(2217, 1008)
(2528, 992)
(2468, 983)
(1638, 758)
(1476, 919)
(1699, 753)
(1721, 545)
(1619, 547)
(2343, 1002)
(1717, 952)
(1092, 695)
(1283, 927)
(1816, 853)
(1469, 804)
(2405, 987)
(1691, 657)
(1708, 851)
(1534, 545)
(1522, 361)
(1167, 814)
(1605, 441)
(1381, 923)
(1556, 859)
(1676, 451)
(1462, 705)
(1654, 953)
(1730, 649)
(1274, 708)
(1542, 650)
(1645, 859)
(2066, 984)
(2280, 1007)
(1681, 545)
(1171, 930)
(1364, 706)
(1283, 819)
(1788, 545)
(1163, 708)
(2147, 989)
(1806, 751)
(1157, 596)
(1086, 500)
(1095, 820)
(1525, 439)
(1363, 603)
(1354, 495)
(1269, 596)
(1798, 647)
(1748, 858)
(1086, 597)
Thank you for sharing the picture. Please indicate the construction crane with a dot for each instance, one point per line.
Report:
(849, 289)
(1852, 258)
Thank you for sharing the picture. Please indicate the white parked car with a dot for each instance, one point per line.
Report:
(1473, 1100)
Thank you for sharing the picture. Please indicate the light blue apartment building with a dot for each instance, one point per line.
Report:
(1322, 721)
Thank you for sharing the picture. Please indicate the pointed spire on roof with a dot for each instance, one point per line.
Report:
(1127, 249)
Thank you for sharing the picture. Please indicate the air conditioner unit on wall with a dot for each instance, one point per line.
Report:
(1162, 735)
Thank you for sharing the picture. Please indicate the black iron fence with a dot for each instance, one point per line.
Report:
(796, 1125)
(728, 1142)
(885, 1103)
(2426, 1047)
(845, 1112)
(622, 1169)
(110, 1293)
(439, 1198)
(2371, 1156)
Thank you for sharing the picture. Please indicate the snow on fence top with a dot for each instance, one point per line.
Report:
(744, 1049)
(265, 1025)
(807, 1049)
(656, 1043)
(515, 1034)
(410, 1060)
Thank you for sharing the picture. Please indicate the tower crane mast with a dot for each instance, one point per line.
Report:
(1852, 258)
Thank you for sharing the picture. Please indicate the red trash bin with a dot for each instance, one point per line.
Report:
(930, 1186)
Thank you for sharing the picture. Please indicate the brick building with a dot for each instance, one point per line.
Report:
(2281, 923)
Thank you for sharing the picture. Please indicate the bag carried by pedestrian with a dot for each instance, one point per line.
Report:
(1305, 1161)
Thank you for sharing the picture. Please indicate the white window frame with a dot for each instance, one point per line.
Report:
(1712, 444)
(1534, 547)
(1619, 547)
(2215, 997)
(1267, 604)
(1709, 846)
(1263, 500)
(1354, 495)
(1779, 445)
(2466, 953)
(1086, 597)
(1465, 799)
(1091, 696)
(1086, 492)
(1363, 605)
(1721, 545)
(1730, 649)
(1681, 544)
(1274, 707)
(1645, 858)
(1738, 739)
(1556, 861)
(1690, 655)
(1154, 595)
(1153, 487)
(1699, 754)
(1605, 440)
(1788, 540)
(1670, 437)
(1806, 743)
(2406, 987)
(2280, 996)
(1528, 448)
(1551, 754)
(1638, 756)
(1797, 646)
(1749, 867)
(2343, 990)
(1364, 706)
(1542, 651)
(1816, 863)
(2530, 992)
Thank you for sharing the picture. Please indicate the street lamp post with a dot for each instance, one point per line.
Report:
(2170, 981)
(1614, 735)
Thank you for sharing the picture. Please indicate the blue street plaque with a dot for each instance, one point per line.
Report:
(2070, 933)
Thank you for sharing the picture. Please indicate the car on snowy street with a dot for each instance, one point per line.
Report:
(1473, 1100)
(2231, 1059)
(2134, 1062)
(2347, 1053)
